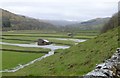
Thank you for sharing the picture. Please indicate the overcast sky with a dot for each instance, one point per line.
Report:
(62, 9)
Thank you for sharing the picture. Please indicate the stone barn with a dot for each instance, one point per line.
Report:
(70, 34)
(43, 42)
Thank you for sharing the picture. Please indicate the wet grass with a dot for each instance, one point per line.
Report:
(28, 40)
(11, 59)
(14, 55)
(51, 36)
(24, 49)
(25, 37)
(23, 52)
(75, 61)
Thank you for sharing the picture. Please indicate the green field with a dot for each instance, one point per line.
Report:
(77, 60)
(12, 59)
(28, 37)
(14, 55)
(32, 33)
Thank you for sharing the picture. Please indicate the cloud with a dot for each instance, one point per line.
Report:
(62, 9)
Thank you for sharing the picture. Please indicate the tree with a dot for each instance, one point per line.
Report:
(113, 22)
(6, 23)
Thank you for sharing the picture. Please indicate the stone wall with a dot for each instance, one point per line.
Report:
(109, 69)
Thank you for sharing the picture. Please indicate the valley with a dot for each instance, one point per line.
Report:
(72, 50)
(14, 46)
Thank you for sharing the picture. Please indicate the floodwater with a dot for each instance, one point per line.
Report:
(75, 40)
(53, 47)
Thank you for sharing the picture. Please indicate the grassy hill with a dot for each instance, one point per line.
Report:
(77, 60)
(13, 21)
(113, 22)
(93, 24)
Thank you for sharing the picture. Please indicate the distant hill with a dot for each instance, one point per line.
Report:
(13, 21)
(61, 22)
(94, 24)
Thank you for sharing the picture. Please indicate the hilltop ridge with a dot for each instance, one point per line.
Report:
(13, 21)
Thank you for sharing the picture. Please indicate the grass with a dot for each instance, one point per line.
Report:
(12, 59)
(25, 49)
(62, 42)
(32, 36)
(77, 60)
(27, 40)
(27, 37)
(119, 37)
(14, 55)
(82, 34)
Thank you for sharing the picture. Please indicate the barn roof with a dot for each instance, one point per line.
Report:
(46, 40)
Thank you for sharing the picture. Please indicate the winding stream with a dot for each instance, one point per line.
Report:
(53, 47)
(75, 40)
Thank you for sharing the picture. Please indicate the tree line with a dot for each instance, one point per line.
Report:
(113, 22)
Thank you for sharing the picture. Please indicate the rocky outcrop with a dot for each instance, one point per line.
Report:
(109, 69)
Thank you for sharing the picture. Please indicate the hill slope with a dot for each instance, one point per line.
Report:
(13, 21)
(77, 60)
(94, 24)
(112, 23)
(19, 22)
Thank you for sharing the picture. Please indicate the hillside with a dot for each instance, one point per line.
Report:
(13, 21)
(113, 22)
(93, 24)
(77, 60)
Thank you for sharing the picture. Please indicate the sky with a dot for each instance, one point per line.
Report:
(71, 10)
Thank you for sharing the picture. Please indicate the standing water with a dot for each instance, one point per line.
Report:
(53, 47)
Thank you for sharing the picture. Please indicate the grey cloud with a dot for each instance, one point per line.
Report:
(62, 9)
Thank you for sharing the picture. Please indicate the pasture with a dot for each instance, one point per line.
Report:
(12, 56)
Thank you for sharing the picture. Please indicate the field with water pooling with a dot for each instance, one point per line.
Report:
(23, 49)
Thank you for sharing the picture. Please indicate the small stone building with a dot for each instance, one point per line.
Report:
(43, 42)
(70, 34)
